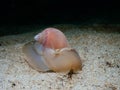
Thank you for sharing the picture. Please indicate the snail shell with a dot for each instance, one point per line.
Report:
(51, 52)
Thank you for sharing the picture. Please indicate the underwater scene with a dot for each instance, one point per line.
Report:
(59, 45)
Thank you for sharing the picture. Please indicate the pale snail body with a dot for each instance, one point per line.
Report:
(51, 52)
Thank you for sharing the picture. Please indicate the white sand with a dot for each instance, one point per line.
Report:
(99, 51)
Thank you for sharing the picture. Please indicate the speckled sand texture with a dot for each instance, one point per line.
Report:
(99, 51)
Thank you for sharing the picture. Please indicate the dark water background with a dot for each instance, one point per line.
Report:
(20, 16)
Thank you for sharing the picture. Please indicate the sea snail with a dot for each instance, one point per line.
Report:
(50, 51)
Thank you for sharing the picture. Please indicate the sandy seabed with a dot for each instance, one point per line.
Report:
(99, 51)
